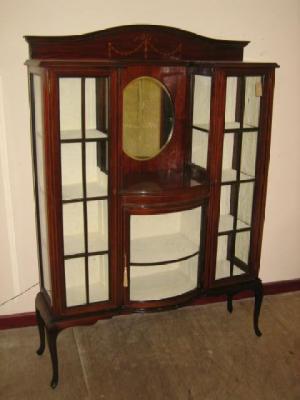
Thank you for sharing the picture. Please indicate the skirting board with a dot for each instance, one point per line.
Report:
(28, 319)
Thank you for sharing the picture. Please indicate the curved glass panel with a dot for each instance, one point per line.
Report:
(165, 254)
(148, 118)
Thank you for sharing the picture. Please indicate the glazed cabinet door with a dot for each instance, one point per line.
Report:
(242, 181)
(85, 138)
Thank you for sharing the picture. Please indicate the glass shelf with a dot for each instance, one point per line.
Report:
(162, 248)
(74, 244)
(73, 134)
(152, 283)
(230, 175)
(226, 224)
(230, 126)
(93, 189)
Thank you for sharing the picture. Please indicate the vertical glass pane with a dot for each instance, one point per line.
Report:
(201, 120)
(97, 218)
(233, 196)
(248, 155)
(223, 257)
(201, 111)
(96, 179)
(232, 117)
(245, 202)
(73, 228)
(229, 160)
(75, 281)
(253, 93)
(70, 108)
(98, 278)
(242, 247)
(164, 254)
(228, 262)
(239, 154)
(243, 96)
(38, 140)
(96, 107)
(71, 171)
(200, 148)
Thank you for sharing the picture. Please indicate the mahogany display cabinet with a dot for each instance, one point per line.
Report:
(150, 149)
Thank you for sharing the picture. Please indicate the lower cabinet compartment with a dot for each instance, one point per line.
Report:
(165, 254)
(163, 281)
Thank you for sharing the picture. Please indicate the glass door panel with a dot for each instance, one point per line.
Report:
(83, 127)
(75, 281)
(98, 278)
(96, 178)
(97, 224)
(71, 170)
(253, 93)
(228, 264)
(201, 120)
(73, 228)
(241, 130)
(164, 254)
(243, 102)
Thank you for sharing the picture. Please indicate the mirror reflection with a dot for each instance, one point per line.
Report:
(148, 118)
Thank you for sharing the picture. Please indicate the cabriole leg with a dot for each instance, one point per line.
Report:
(41, 328)
(51, 338)
(258, 301)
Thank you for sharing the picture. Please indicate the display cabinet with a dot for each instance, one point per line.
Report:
(150, 149)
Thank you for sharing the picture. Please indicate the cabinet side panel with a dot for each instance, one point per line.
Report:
(38, 152)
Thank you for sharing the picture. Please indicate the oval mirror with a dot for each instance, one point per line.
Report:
(148, 118)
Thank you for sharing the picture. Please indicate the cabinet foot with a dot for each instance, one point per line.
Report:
(229, 303)
(51, 339)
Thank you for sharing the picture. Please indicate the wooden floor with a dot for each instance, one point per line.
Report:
(200, 352)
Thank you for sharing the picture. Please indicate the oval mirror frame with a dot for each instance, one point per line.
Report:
(148, 118)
